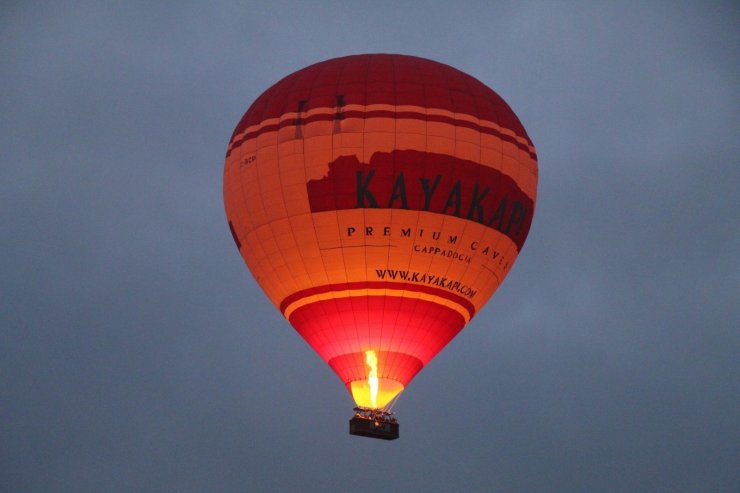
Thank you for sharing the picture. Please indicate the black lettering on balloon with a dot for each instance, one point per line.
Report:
(363, 192)
(454, 199)
(517, 216)
(475, 204)
(498, 215)
(399, 192)
(429, 191)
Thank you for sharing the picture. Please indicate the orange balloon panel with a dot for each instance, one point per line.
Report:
(379, 201)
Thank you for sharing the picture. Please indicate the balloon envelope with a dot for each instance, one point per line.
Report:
(379, 201)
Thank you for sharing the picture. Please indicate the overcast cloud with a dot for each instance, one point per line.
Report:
(138, 354)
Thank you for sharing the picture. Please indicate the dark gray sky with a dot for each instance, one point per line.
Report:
(137, 354)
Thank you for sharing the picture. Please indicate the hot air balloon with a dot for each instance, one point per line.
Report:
(379, 201)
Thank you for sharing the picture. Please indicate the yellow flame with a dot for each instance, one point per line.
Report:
(387, 390)
(372, 377)
(374, 392)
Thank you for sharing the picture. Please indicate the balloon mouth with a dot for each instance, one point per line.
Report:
(385, 390)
